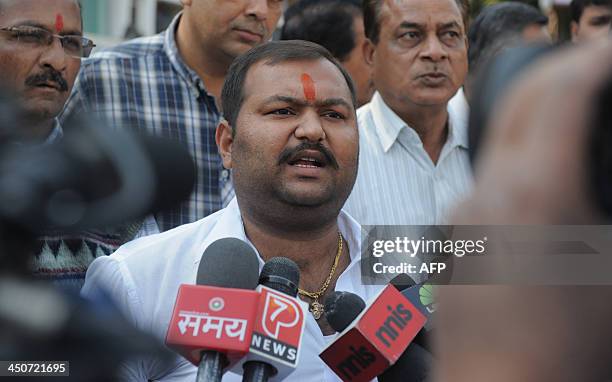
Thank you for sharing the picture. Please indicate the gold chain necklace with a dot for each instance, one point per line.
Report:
(316, 308)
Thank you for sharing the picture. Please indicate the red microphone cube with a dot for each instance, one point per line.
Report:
(376, 339)
(211, 318)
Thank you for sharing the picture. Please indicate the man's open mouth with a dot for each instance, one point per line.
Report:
(307, 163)
(312, 159)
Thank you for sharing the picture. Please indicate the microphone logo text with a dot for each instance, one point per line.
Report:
(394, 324)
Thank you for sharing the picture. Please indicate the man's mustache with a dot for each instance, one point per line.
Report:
(290, 153)
(46, 77)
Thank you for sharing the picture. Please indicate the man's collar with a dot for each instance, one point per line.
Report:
(230, 225)
(177, 62)
(458, 116)
(388, 126)
(56, 133)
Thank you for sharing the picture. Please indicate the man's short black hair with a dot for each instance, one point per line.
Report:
(578, 6)
(327, 22)
(271, 53)
(371, 17)
(504, 21)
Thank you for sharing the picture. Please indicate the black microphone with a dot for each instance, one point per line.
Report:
(93, 178)
(283, 275)
(226, 263)
(342, 308)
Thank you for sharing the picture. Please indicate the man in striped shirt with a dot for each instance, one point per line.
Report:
(169, 85)
(413, 147)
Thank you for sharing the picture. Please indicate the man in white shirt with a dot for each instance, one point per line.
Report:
(290, 137)
(413, 161)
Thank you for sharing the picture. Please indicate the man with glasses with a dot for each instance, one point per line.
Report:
(41, 46)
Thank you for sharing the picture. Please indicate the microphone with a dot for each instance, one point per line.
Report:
(212, 322)
(93, 178)
(422, 297)
(279, 324)
(414, 364)
(375, 339)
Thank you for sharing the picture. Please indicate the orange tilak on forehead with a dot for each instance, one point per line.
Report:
(59, 23)
(309, 87)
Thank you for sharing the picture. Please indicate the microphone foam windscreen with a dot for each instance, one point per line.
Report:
(281, 274)
(229, 263)
(341, 308)
(402, 281)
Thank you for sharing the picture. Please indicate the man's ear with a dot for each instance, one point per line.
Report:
(224, 139)
(186, 2)
(368, 52)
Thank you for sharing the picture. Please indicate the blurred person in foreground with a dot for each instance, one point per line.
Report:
(534, 169)
(170, 84)
(337, 25)
(590, 19)
(290, 136)
(413, 147)
(41, 47)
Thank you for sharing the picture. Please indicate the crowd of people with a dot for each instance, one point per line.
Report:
(358, 116)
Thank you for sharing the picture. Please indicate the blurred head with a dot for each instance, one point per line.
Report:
(36, 66)
(229, 28)
(591, 19)
(290, 134)
(418, 49)
(503, 25)
(337, 25)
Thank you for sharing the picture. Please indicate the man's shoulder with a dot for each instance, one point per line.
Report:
(136, 48)
(173, 244)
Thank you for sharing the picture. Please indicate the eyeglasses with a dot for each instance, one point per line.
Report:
(74, 45)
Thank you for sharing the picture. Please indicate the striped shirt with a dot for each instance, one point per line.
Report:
(144, 84)
(397, 183)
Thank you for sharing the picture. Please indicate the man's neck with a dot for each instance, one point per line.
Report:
(208, 67)
(430, 123)
(312, 250)
(313, 244)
